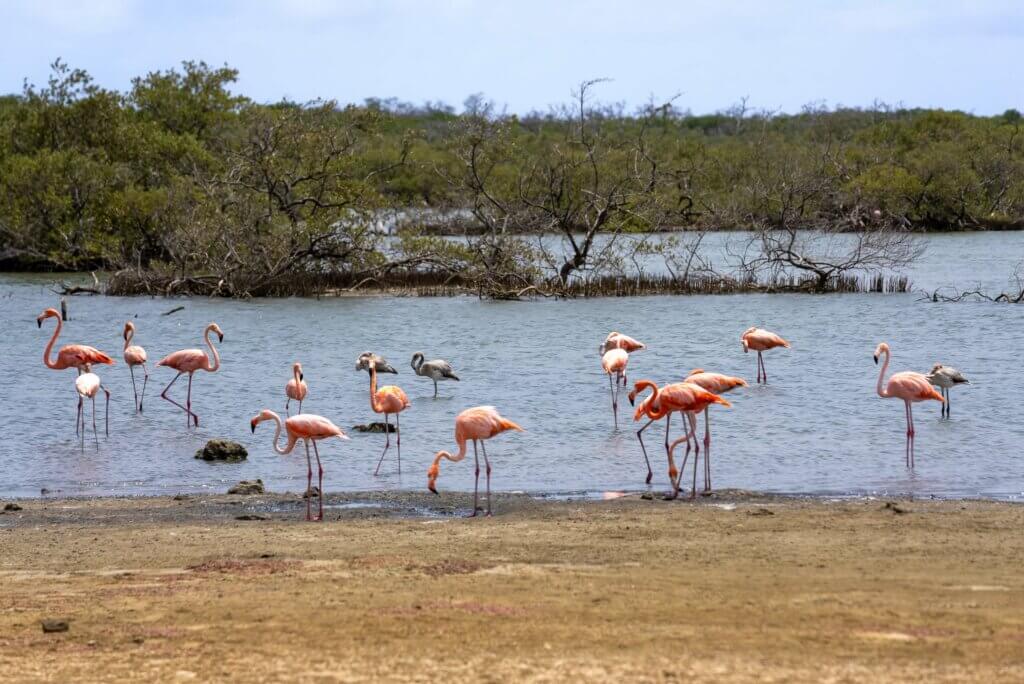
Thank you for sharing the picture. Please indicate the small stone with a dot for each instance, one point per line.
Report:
(760, 511)
(250, 516)
(890, 506)
(44, 491)
(375, 427)
(51, 625)
(12, 507)
(647, 496)
(312, 492)
(181, 497)
(248, 487)
(222, 450)
(138, 639)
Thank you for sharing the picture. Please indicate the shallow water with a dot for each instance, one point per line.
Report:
(816, 428)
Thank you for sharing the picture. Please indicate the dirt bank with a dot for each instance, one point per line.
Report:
(395, 586)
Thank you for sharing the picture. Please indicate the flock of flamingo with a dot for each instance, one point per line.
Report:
(696, 393)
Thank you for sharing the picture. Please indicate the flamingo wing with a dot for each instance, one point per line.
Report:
(312, 426)
(911, 386)
(185, 360)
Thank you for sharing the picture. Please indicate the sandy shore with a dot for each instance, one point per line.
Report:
(398, 587)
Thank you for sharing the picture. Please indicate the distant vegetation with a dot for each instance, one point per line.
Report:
(181, 185)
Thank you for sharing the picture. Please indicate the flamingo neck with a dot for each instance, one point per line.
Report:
(128, 337)
(881, 389)
(417, 363)
(212, 367)
(298, 382)
(652, 411)
(49, 347)
(277, 434)
(374, 404)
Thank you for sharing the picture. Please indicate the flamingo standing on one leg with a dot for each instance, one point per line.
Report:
(716, 383)
(189, 361)
(910, 387)
(134, 355)
(945, 377)
(678, 397)
(70, 355)
(614, 363)
(296, 388)
(387, 400)
(87, 385)
(760, 341)
(309, 428)
(477, 424)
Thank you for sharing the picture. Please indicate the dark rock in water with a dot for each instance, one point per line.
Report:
(647, 496)
(248, 487)
(222, 450)
(56, 625)
(12, 507)
(181, 497)
(251, 516)
(374, 427)
(312, 492)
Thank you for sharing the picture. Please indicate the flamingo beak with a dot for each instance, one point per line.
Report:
(876, 359)
(252, 426)
(630, 397)
(301, 376)
(220, 336)
(39, 322)
(344, 436)
(430, 486)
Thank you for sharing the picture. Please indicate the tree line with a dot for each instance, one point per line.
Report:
(180, 184)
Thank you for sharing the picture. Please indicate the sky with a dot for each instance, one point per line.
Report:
(529, 54)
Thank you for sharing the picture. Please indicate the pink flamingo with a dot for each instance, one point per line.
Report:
(387, 400)
(678, 397)
(135, 355)
(617, 340)
(910, 387)
(478, 424)
(308, 428)
(760, 341)
(88, 385)
(70, 355)
(614, 363)
(716, 383)
(296, 388)
(189, 361)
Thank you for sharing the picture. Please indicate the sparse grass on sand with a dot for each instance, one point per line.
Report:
(733, 588)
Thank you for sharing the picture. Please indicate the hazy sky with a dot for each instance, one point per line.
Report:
(528, 54)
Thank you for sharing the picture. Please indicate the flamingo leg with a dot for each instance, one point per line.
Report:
(78, 416)
(668, 420)
(145, 381)
(163, 395)
(906, 410)
(611, 392)
(435, 387)
(320, 485)
(286, 405)
(309, 481)
(476, 481)
(131, 369)
(106, 412)
(387, 443)
(487, 466)
(300, 411)
(188, 403)
(94, 417)
(696, 453)
(640, 436)
(945, 404)
(910, 408)
(707, 450)
(398, 440)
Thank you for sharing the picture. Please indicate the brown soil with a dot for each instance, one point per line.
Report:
(733, 588)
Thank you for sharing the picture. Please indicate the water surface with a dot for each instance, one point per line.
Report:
(817, 428)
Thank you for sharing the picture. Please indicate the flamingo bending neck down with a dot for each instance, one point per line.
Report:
(614, 362)
(679, 397)
(296, 388)
(387, 400)
(189, 361)
(617, 340)
(134, 355)
(70, 355)
(438, 369)
(309, 428)
(909, 386)
(477, 424)
(761, 341)
(88, 385)
(716, 383)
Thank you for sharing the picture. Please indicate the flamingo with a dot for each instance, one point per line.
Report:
(945, 377)
(438, 369)
(908, 386)
(189, 361)
(716, 383)
(614, 363)
(478, 424)
(296, 388)
(379, 362)
(70, 355)
(309, 428)
(760, 341)
(617, 340)
(387, 400)
(681, 397)
(88, 385)
(135, 355)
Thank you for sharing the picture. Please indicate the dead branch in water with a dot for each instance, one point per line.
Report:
(172, 311)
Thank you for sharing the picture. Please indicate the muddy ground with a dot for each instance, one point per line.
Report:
(736, 587)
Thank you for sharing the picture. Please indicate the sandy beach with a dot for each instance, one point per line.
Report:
(399, 586)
